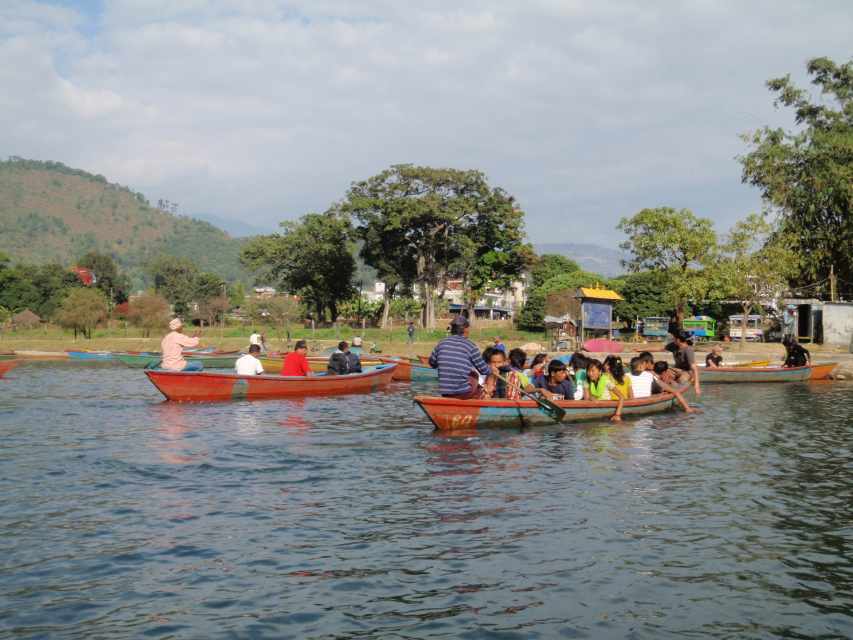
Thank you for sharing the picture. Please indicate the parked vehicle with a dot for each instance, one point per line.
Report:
(754, 330)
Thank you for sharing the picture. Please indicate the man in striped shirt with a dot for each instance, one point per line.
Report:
(458, 362)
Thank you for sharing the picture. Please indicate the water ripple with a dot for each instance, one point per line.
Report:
(124, 516)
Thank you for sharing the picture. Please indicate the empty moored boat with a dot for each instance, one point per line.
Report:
(766, 374)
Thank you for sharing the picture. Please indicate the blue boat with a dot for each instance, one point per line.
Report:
(90, 355)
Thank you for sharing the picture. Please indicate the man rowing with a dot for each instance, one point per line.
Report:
(459, 362)
(173, 345)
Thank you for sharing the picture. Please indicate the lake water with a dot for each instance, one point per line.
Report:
(123, 516)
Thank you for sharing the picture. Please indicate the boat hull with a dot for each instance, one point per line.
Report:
(202, 386)
(99, 356)
(450, 414)
(408, 371)
(722, 375)
(7, 365)
(823, 370)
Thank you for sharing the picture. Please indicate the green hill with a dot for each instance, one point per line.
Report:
(52, 213)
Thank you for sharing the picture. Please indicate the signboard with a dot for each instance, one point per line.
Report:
(597, 315)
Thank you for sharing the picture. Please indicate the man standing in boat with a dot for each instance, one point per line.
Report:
(459, 362)
(173, 345)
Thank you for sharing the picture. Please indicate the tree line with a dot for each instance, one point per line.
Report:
(419, 226)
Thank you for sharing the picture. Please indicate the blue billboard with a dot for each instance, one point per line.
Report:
(597, 315)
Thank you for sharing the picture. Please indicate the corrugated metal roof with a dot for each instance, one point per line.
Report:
(599, 294)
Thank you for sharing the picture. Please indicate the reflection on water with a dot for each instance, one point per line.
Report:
(124, 516)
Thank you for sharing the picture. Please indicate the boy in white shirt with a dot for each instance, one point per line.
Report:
(248, 364)
(642, 381)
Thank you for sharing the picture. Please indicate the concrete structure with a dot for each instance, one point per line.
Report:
(838, 324)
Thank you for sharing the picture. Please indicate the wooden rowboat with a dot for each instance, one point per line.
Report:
(89, 355)
(408, 371)
(42, 355)
(7, 365)
(202, 386)
(450, 414)
(765, 374)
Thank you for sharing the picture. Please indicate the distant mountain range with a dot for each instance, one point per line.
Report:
(52, 213)
(591, 257)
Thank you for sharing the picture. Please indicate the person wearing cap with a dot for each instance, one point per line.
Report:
(296, 362)
(173, 345)
(499, 345)
(685, 360)
(459, 362)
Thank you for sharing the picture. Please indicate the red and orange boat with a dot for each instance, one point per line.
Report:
(408, 371)
(202, 386)
(451, 414)
(7, 365)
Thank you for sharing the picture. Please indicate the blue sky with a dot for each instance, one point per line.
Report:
(263, 111)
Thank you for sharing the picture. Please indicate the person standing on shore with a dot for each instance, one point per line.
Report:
(410, 333)
(173, 345)
(258, 338)
(458, 362)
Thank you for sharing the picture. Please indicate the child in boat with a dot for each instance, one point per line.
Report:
(616, 370)
(600, 387)
(579, 364)
(557, 385)
(538, 366)
(641, 378)
(517, 380)
(796, 355)
(714, 359)
(495, 385)
(659, 386)
(663, 373)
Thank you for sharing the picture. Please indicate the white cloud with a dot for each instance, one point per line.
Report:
(585, 111)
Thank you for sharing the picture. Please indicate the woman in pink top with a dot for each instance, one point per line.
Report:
(172, 347)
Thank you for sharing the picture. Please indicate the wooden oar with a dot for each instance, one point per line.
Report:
(553, 411)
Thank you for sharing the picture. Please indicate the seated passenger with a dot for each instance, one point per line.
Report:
(343, 361)
(494, 385)
(600, 386)
(579, 364)
(248, 364)
(714, 359)
(296, 362)
(663, 373)
(517, 380)
(641, 378)
(556, 385)
(615, 369)
(538, 366)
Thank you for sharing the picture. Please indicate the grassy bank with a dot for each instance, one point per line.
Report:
(49, 338)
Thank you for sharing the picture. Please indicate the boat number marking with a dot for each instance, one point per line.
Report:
(461, 421)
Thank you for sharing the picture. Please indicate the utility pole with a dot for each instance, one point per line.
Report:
(833, 287)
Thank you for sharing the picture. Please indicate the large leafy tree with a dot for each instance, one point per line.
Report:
(149, 311)
(806, 174)
(311, 257)
(755, 265)
(82, 309)
(532, 316)
(676, 244)
(644, 294)
(548, 265)
(175, 279)
(108, 279)
(436, 221)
